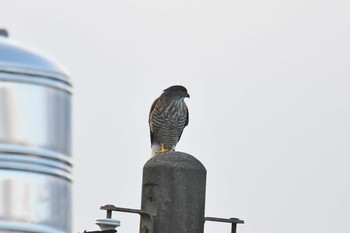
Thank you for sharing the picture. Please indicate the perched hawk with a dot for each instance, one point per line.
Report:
(168, 118)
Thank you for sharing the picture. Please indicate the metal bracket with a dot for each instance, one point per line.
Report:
(107, 231)
(146, 218)
(233, 221)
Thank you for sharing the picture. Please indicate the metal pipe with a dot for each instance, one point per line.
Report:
(173, 191)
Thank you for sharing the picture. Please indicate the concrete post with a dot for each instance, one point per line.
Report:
(173, 191)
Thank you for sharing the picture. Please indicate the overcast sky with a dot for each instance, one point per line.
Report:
(269, 108)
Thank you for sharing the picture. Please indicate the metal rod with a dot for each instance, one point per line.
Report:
(109, 213)
(233, 227)
(228, 220)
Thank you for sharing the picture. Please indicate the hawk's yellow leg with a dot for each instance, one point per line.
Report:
(163, 150)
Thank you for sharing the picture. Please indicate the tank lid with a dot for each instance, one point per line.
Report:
(18, 59)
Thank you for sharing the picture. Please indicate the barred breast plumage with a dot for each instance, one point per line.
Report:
(168, 118)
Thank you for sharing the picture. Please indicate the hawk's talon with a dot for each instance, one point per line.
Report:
(164, 150)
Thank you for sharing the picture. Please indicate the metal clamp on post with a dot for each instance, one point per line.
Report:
(233, 221)
(146, 218)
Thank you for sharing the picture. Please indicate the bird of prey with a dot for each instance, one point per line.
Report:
(168, 118)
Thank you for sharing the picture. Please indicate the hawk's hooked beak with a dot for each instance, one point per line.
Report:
(187, 95)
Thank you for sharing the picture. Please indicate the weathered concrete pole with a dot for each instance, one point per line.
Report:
(173, 191)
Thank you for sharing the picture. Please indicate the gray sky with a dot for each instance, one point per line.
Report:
(269, 108)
